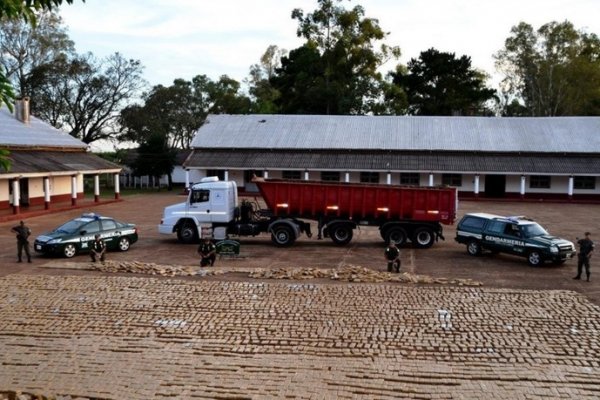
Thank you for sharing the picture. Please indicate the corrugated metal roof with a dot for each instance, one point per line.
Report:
(490, 134)
(23, 161)
(35, 134)
(396, 161)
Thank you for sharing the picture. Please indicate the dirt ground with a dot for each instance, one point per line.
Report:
(445, 259)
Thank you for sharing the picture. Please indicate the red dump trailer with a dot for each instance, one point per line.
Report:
(402, 213)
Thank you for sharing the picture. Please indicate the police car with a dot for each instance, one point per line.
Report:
(512, 235)
(77, 235)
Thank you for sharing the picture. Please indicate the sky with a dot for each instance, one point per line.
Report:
(184, 38)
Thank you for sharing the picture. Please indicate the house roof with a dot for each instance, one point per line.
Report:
(37, 133)
(458, 162)
(57, 162)
(406, 133)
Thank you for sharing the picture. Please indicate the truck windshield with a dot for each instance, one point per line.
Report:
(532, 230)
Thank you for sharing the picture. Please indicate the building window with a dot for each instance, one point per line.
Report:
(294, 175)
(452, 179)
(216, 172)
(539, 182)
(369, 177)
(584, 182)
(330, 176)
(410, 179)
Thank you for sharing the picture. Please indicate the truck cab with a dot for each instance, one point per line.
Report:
(209, 202)
(512, 235)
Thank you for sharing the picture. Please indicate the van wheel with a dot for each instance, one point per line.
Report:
(282, 236)
(423, 237)
(396, 235)
(474, 248)
(187, 232)
(534, 258)
(340, 234)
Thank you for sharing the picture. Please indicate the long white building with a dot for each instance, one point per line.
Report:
(552, 158)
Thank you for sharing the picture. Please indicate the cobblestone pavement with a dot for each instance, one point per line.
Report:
(139, 338)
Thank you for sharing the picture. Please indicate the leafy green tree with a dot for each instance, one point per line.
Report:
(264, 95)
(338, 64)
(4, 160)
(11, 10)
(26, 10)
(25, 48)
(438, 83)
(552, 71)
(155, 158)
(84, 95)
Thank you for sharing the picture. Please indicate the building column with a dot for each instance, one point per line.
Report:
(431, 179)
(571, 185)
(226, 175)
(96, 188)
(46, 193)
(306, 175)
(73, 190)
(523, 181)
(117, 188)
(347, 177)
(388, 179)
(187, 178)
(16, 196)
(476, 186)
(266, 174)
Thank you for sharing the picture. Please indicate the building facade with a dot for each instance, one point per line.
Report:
(48, 166)
(529, 158)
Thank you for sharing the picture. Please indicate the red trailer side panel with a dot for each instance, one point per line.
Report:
(358, 201)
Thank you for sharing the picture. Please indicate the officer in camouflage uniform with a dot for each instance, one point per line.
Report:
(392, 255)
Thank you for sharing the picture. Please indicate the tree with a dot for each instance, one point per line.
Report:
(11, 10)
(26, 10)
(438, 83)
(84, 95)
(553, 71)
(25, 47)
(337, 65)
(155, 158)
(264, 95)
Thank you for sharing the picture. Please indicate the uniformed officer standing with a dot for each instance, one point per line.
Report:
(208, 253)
(98, 248)
(392, 255)
(23, 233)
(586, 248)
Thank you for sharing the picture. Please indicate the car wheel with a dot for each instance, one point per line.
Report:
(423, 238)
(124, 244)
(282, 235)
(70, 250)
(474, 248)
(396, 235)
(534, 258)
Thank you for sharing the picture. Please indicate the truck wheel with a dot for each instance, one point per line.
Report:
(534, 258)
(396, 235)
(187, 232)
(70, 250)
(423, 237)
(282, 236)
(474, 248)
(340, 234)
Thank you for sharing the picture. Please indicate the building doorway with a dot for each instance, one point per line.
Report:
(495, 186)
